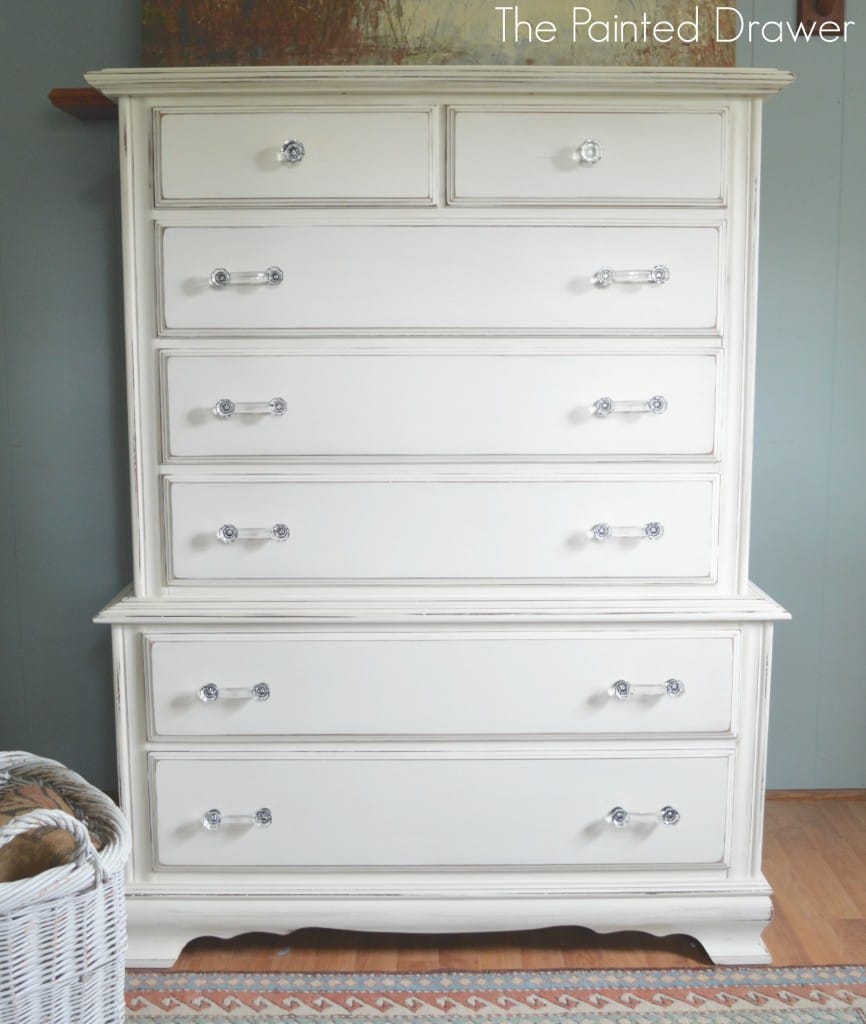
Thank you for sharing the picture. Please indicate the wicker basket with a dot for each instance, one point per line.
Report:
(63, 931)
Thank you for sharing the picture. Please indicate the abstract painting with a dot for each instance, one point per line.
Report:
(259, 32)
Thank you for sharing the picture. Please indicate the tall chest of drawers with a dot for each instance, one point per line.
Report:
(440, 395)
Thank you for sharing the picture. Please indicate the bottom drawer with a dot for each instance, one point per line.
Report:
(447, 809)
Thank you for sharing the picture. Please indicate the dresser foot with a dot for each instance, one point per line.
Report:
(737, 943)
(728, 926)
(729, 929)
(159, 928)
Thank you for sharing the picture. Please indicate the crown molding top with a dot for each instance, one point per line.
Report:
(402, 79)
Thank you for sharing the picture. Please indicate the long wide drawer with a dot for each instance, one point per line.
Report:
(437, 277)
(442, 529)
(281, 157)
(276, 684)
(576, 156)
(449, 405)
(399, 809)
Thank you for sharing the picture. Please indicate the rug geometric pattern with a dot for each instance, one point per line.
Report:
(749, 995)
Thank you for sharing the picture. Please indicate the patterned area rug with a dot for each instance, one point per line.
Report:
(787, 995)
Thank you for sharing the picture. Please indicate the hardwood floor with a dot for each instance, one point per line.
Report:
(815, 859)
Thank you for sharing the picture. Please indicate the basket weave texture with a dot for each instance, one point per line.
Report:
(63, 931)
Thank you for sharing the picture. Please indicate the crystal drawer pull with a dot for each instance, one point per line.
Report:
(228, 533)
(624, 690)
(605, 277)
(214, 818)
(607, 406)
(619, 817)
(588, 152)
(221, 277)
(225, 408)
(210, 692)
(292, 152)
(649, 531)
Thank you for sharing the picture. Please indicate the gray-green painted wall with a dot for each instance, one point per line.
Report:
(64, 535)
(809, 500)
(64, 510)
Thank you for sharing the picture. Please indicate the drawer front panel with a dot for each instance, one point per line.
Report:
(444, 529)
(339, 684)
(536, 157)
(220, 158)
(407, 810)
(454, 405)
(440, 278)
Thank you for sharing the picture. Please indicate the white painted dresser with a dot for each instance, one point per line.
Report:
(440, 403)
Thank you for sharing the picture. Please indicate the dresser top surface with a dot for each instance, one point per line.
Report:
(760, 82)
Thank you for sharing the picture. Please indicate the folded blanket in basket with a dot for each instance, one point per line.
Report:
(28, 854)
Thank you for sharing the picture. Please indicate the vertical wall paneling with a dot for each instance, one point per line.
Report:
(809, 499)
(841, 697)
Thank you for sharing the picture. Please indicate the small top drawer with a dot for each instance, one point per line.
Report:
(283, 157)
(573, 157)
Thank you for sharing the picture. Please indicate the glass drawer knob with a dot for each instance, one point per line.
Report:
(228, 533)
(221, 277)
(214, 819)
(210, 692)
(622, 689)
(588, 152)
(606, 406)
(225, 408)
(619, 817)
(292, 152)
(607, 276)
(604, 531)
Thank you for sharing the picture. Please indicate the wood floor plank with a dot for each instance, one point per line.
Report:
(382, 956)
(853, 936)
(783, 940)
(849, 867)
(824, 886)
(338, 951)
(814, 857)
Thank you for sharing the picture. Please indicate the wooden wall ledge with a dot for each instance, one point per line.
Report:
(86, 103)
